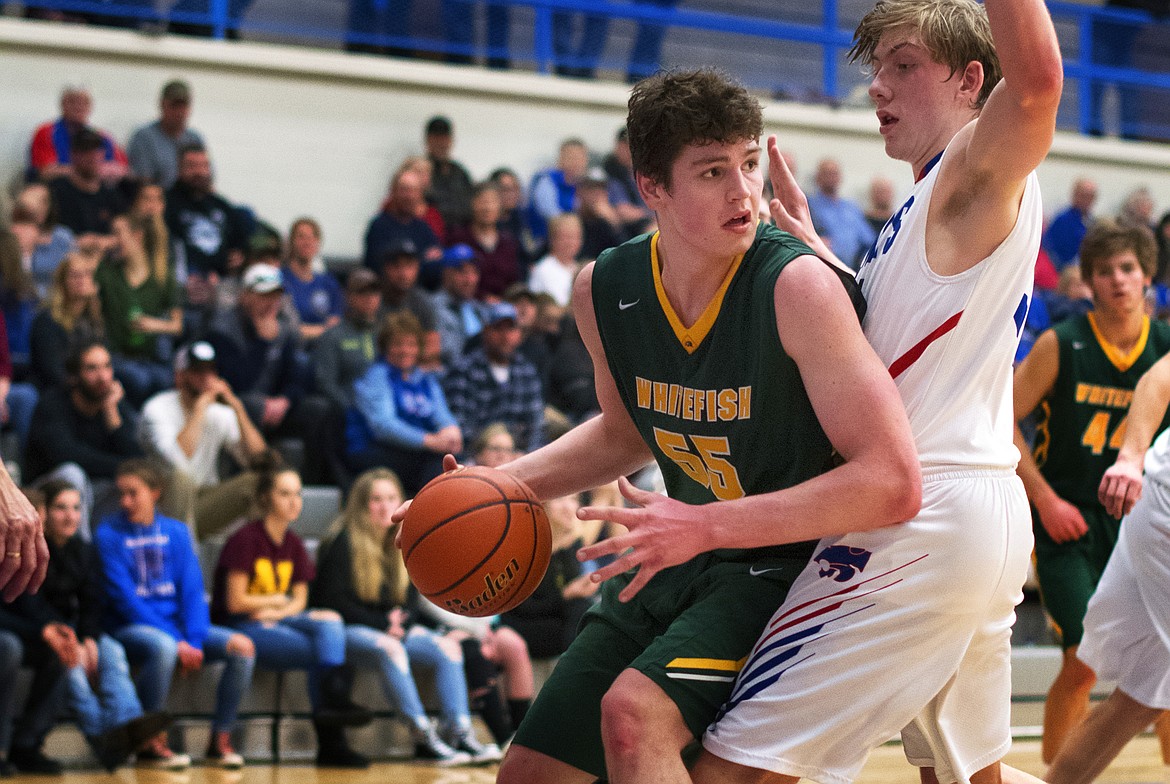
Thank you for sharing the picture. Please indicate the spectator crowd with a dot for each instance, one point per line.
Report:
(172, 367)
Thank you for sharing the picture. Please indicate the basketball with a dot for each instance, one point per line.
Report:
(476, 541)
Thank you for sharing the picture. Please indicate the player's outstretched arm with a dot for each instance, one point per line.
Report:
(1016, 125)
(878, 484)
(597, 451)
(1121, 486)
(1033, 380)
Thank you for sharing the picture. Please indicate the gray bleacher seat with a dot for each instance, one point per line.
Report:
(322, 505)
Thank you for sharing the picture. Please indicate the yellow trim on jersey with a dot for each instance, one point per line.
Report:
(1122, 362)
(722, 665)
(690, 337)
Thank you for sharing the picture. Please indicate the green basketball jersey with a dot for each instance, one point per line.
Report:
(1082, 421)
(720, 403)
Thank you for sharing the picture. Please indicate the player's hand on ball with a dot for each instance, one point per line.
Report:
(1121, 487)
(449, 464)
(662, 533)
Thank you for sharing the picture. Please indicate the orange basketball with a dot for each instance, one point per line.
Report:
(476, 541)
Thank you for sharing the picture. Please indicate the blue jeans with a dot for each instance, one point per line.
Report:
(575, 56)
(22, 401)
(156, 654)
(1113, 46)
(115, 703)
(422, 647)
(299, 643)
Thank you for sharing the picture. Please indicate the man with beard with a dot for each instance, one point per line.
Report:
(81, 432)
(189, 427)
(210, 233)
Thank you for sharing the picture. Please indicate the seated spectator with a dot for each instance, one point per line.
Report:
(17, 297)
(50, 154)
(71, 315)
(149, 206)
(140, 309)
(494, 383)
(23, 643)
(1138, 209)
(450, 190)
(209, 233)
(154, 149)
(161, 616)
(400, 291)
(497, 249)
(400, 418)
(1062, 238)
(361, 575)
(81, 432)
(839, 220)
(601, 225)
(262, 590)
(340, 357)
(85, 203)
(494, 446)
(424, 208)
(554, 273)
(548, 619)
(512, 218)
(554, 191)
(316, 296)
(44, 241)
(881, 203)
(571, 388)
(399, 223)
(623, 188)
(345, 352)
(533, 344)
(460, 314)
(189, 428)
(68, 612)
(256, 353)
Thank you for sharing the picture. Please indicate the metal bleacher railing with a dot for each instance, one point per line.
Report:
(1117, 61)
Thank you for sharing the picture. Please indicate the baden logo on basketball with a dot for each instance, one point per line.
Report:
(496, 586)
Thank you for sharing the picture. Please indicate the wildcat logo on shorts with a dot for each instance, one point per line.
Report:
(841, 562)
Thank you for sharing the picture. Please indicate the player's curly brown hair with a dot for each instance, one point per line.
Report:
(955, 32)
(672, 109)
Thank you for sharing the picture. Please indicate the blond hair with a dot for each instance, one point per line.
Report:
(59, 304)
(955, 32)
(377, 563)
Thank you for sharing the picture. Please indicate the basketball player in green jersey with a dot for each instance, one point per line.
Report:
(1081, 374)
(728, 353)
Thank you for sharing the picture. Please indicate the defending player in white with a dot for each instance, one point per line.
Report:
(907, 628)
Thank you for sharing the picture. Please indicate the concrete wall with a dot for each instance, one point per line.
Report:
(300, 131)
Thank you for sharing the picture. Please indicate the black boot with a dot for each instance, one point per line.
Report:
(115, 745)
(337, 709)
(332, 749)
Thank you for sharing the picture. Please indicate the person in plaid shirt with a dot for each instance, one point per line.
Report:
(494, 383)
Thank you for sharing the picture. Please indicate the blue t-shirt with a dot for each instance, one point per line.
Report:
(316, 300)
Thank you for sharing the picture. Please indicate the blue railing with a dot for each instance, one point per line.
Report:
(800, 44)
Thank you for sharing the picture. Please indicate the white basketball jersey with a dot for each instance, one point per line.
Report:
(949, 342)
(1157, 462)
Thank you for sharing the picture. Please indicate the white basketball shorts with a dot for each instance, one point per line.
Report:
(902, 629)
(1127, 625)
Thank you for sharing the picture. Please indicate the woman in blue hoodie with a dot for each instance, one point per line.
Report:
(400, 419)
(156, 608)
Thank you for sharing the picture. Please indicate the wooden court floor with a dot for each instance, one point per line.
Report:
(1140, 763)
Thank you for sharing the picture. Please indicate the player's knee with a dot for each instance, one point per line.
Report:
(628, 709)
